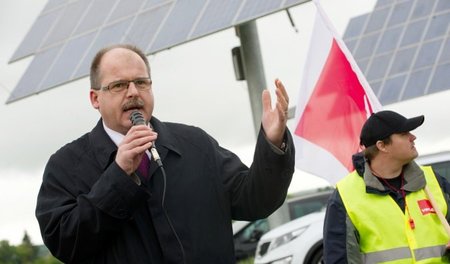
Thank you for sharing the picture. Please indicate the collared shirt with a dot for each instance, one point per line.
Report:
(117, 138)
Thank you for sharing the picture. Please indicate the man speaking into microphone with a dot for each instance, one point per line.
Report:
(104, 198)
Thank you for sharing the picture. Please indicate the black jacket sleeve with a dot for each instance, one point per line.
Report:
(71, 212)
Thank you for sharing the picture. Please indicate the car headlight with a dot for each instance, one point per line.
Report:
(281, 240)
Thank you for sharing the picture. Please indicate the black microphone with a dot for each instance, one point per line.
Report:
(137, 119)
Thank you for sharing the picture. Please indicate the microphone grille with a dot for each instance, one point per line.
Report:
(137, 118)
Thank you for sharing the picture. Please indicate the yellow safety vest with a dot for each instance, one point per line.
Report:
(385, 232)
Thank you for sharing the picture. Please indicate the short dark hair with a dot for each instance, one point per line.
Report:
(371, 151)
(95, 65)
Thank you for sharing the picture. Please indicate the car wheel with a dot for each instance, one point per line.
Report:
(317, 258)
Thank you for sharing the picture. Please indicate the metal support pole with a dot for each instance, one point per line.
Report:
(253, 68)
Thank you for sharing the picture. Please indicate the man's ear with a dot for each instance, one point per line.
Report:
(381, 146)
(93, 95)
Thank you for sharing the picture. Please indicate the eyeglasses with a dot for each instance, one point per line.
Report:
(142, 84)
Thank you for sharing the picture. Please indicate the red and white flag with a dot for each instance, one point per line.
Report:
(335, 99)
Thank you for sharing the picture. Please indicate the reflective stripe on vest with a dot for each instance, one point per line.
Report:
(404, 253)
(385, 233)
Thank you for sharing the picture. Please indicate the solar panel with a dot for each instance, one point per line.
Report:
(414, 32)
(96, 14)
(125, 8)
(179, 24)
(445, 54)
(355, 28)
(367, 45)
(68, 60)
(403, 47)
(417, 83)
(146, 26)
(68, 20)
(403, 60)
(68, 33)
(389, 40)
(253, 9)
(218, 14)
(107, 36)
(440, 79)
(422, 8)
(379, 66)
(35, 36)
(32, 78)
(392, 88)
(427, 54)
(377, 20)
(401, 11)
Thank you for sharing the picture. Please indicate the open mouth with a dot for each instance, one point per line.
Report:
(130, 109)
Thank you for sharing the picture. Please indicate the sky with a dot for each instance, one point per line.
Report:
(194, 83)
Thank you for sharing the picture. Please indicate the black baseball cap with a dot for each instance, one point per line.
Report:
(381, 125)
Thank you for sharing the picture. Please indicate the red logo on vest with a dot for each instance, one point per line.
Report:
(426, 207)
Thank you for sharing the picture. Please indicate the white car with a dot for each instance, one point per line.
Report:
(296, 242)
(247, 234)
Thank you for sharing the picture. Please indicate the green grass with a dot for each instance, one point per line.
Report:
(247, 261)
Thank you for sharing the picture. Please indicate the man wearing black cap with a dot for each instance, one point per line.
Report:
(380, 212)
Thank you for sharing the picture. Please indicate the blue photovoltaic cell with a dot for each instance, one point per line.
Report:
(218, 15)
(445, 54)
(389, 40)
(351, 44)
(178, 25)
(377, 20)
(391, 90)
(366, 45)
(68, 60)
(417, 83)
(52, 4)
(96, 14)
(378, 67)
(66, 23)
(253, 9)
(382, 3)
(355, 26)
(438, 26)
(422, 8)
(403, 60)
(414, 32)
(362, 64)
(125, 8)
(376, 87)
(154, 3)
(443, 5)
(428, 54)
(144, 29)
(109, 35)
(35, 36)
(290, 3)
(400, 13)
(440, 79)
(31, 79)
